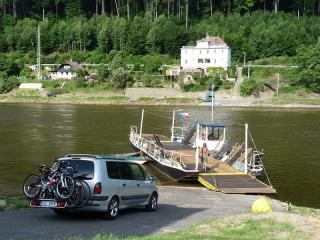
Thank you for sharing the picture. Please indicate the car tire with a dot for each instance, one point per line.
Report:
(113, 208)
(153, 203)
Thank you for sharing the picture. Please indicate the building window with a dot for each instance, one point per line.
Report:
(207, 60)
(214, 61)
(200, 51)
(186, 61)
(214, 51)
(222, 50)
(207, 51)
(200, 60)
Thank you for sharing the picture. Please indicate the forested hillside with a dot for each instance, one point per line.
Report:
(156, 26)
(119, 31)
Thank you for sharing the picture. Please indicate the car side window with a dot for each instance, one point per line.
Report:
(113, 170)
(137, 172)
(125, 172)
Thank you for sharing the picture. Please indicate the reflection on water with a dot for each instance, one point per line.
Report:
(35, 134)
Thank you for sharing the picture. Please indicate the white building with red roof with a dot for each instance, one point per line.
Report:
(209, 52)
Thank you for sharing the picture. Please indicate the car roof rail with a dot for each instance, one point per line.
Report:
(82, 156)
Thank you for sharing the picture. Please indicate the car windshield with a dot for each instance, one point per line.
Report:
(82, 169)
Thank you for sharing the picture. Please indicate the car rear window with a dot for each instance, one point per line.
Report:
(83, 169)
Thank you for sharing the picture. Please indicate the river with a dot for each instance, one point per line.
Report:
(38, 133)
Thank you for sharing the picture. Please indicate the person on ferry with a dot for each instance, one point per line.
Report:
(204, 154)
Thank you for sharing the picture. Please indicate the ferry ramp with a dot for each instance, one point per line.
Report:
(237, 183)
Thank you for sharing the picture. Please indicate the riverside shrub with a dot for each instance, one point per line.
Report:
(6, 85)
(247, 88)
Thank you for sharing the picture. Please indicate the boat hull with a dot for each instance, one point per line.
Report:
(173, 173)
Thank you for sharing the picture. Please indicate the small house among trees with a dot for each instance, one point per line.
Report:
(67, 70)
(209, 52)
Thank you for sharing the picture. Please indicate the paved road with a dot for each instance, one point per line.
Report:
(178, 208)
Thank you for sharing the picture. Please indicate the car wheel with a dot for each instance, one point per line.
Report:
(153, 203)
(113, 208)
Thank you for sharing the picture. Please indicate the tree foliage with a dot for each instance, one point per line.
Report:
(309, 57)
(151, 33)
(121, 79)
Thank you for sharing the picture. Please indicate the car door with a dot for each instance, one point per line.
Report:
(127, 185)
(142, 186)
(113, 182)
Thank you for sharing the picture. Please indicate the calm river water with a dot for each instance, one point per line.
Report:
(35, 134)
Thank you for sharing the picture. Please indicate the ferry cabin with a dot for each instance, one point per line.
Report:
(213, 134)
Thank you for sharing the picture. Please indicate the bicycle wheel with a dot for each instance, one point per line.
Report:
(86, 194)
(77, 195)
(32, 186)
(65, 187)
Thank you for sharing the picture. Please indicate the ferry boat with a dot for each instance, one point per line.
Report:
(178, 156)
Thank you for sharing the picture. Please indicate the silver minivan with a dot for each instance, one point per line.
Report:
(114, 184)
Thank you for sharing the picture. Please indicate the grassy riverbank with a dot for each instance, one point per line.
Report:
(12, 203)
(290, 99)
(300, 223)
(163, 97)
(93, 98)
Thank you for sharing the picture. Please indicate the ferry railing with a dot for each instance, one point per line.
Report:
(167, 157)
(178, 131)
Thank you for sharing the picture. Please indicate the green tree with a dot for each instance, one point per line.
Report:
(7, 84)
(121, 79)
(309, 57)
(103, 74)
(80, 79)
(73, 8)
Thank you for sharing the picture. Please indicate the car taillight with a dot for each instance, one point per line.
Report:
(35, 203)
(97, 188)
(61, 204)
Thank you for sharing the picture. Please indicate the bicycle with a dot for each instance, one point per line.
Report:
(55, 182)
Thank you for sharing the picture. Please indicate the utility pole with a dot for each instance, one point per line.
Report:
(39, 55)
(248, 72)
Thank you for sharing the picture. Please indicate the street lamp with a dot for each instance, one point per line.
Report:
(244, 58)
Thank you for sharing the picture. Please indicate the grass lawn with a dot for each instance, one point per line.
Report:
(301, 223)
(291, 99)
(15, 203)
(170, 100)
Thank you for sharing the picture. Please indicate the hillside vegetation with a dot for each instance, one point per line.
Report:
(149, 34)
